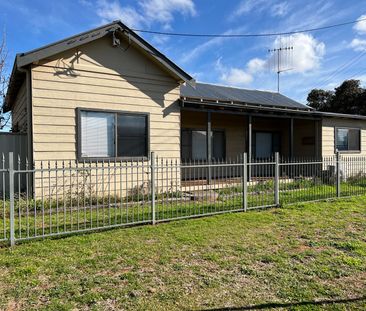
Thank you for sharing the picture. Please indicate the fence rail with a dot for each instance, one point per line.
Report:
(55, 198)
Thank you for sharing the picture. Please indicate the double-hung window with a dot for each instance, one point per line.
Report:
(104, 134)
(347, 139)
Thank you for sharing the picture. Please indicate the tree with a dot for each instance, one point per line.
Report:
(4, 79)
(349, 98)
(346, 97)
(320, 99)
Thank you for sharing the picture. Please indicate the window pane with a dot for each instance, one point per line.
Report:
(132, 146)
(186, 145)
(199, 142)
(218, 145)
(342, 139)
(132, 125)
(131, 135)
(263, 146)
(276, 142)
(354, 139)
(97, 134)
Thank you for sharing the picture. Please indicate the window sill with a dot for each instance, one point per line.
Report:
(349, 151)
(113, 159)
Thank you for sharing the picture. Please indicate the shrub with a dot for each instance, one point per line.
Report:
(358, 179)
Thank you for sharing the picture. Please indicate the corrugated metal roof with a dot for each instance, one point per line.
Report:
(212, 92)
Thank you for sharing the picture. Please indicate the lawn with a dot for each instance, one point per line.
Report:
(305, 256)
(50, 216)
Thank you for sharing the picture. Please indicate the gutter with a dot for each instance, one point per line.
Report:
(246, 106)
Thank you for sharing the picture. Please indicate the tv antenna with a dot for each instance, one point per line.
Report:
(282, 59)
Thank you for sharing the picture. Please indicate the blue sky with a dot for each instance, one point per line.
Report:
(243, 62)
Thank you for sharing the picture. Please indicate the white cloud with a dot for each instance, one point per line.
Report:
(236, 77)
(280, 9)
(256, 65)
(307, 56)
(146, 12)
(162, 10)
(248, 6)
(233, 76)
(358, 44)
(86, 3)
(307, 52)
(203, 47)
(109, 11)
(360, 26)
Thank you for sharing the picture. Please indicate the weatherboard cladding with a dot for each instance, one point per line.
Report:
(27, 58)
(23, 60)
(223, 93)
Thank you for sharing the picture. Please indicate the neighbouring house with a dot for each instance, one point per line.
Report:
(107, 94)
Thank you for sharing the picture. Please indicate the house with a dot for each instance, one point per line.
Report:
(107, 94)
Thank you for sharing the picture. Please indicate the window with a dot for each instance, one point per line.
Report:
(131, 135)
(218, 145)
(266, 144)
(199, 145)
(194, 144)
(97, 134)
(113, 134)
(348, 139)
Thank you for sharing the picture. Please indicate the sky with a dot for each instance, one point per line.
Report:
(321, 59)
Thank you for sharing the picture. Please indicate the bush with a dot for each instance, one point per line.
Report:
(299, 183)
(262, 186)
(359, 179)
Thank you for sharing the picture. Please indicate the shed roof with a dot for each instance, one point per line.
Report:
(218, 93)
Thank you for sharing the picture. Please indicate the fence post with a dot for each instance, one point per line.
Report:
(11, 198)
(245, 181)
(277, 179)
(153, 187)
(338, 174)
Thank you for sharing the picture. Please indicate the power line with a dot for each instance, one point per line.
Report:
(248, 35)
(356, 74)
(343, 68)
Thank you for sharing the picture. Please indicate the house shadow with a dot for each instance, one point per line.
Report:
(275, 305)
(137, 67)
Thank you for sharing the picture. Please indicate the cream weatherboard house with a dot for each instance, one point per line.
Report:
(107, 94)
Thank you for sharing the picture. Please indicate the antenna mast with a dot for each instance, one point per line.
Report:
(279, 60)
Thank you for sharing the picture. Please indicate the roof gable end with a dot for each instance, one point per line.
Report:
(36, 55)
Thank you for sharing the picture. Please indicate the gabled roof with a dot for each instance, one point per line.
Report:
(30, 57)
(24, 59)
(204, 92)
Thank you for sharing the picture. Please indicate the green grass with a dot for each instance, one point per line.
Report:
(50, 221)
(309, 256)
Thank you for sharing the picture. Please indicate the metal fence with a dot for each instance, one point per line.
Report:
(55, 198)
